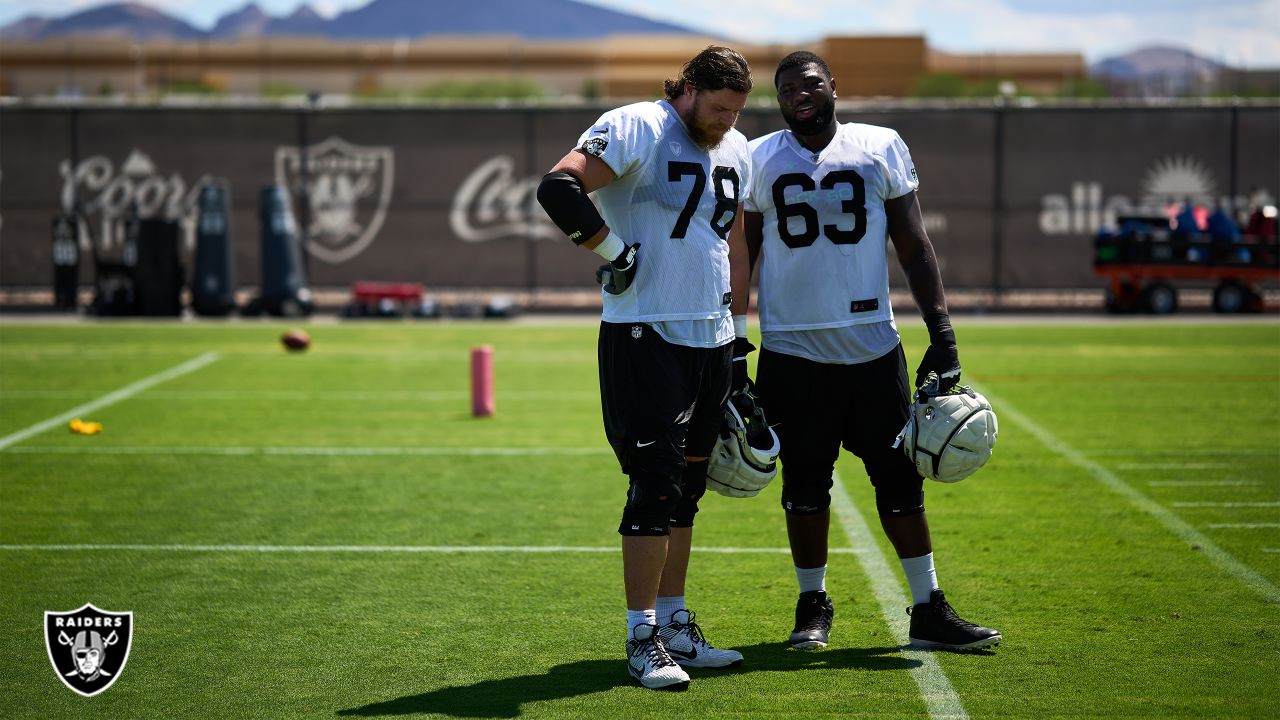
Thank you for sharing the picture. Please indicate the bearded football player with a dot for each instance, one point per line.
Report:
(832, 372)
(668, 176)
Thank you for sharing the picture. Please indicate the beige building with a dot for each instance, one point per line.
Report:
(614, 68)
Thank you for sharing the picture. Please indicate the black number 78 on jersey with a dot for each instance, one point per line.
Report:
(677, 171)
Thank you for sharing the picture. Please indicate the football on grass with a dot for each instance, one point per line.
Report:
(296, 340)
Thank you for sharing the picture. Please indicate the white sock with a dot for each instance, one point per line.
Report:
(811, 579)
(921, 577)
(667, 607)
(638, 617)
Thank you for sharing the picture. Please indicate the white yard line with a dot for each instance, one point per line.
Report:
(939, 696)
(110, 398)
(318, 352)
(1203, 483)
(1243, 526)
(1225, 504)
(437, 451)
(1176, 452)
(1194, 538)
(311, 451)
(386, 549)
(1171, 466)
(303, 395)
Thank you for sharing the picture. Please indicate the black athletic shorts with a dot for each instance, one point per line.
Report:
(818, 407)
(663, 398)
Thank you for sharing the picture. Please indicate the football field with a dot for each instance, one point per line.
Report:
(331, 534)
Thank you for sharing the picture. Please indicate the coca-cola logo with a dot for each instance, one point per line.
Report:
(491, 203)
(106, 194)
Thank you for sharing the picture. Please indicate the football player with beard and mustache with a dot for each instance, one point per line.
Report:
(669, 176)
(823, 200)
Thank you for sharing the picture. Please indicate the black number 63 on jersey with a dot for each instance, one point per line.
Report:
(853, 203)
(726, 205)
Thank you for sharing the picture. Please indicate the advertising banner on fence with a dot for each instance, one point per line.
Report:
(1011, 197)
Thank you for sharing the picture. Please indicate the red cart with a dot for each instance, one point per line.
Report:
(1143, 264)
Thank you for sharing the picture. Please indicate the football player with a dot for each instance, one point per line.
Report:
(669, 177)
(822, 200)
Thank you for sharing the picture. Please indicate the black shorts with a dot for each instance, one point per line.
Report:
(667, 399)
(818, 407)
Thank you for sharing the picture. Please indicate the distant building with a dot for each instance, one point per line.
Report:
(617, 67)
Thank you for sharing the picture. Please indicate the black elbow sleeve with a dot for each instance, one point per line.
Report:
(563, 197)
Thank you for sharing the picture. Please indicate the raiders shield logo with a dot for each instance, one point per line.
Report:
(595, 146)
(88, 647)
(348, 190)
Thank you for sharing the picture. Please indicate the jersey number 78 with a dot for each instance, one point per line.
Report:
(677, 171)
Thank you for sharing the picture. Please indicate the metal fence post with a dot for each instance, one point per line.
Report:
(531, 235)
(997, 207)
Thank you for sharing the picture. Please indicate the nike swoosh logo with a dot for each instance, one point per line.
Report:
(599, 131)
(640, 444)
(693, 653)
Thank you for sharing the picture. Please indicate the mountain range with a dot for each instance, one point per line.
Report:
(527, 19)
(1155, 61)
(379, 19)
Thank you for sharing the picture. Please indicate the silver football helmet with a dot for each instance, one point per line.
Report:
(949, 436)
(745, 458)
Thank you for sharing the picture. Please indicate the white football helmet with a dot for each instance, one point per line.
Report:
(949, 436)
(745, 458)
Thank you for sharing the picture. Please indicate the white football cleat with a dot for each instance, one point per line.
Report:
(689, 647)
(649, 663)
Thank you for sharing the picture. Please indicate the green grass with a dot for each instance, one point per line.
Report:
(1105, 610)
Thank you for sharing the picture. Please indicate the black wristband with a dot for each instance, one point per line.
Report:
(561, 194)
(940, 332)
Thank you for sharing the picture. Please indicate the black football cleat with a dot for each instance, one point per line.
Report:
(935, 625)
(814, 613)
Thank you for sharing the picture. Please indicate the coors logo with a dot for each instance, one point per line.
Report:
(348, 189)
(106, 194)
(88, 646)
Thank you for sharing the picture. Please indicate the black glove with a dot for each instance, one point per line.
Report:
(942, 359)
(741, 348)
(616, 276)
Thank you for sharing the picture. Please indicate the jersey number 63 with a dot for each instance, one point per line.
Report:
(847, 186)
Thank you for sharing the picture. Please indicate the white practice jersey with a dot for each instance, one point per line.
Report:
(678, 202)
(823, 260)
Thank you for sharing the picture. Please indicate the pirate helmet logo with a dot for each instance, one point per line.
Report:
(348, 192)
(88, 647)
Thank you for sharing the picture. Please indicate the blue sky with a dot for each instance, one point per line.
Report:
(1237, 32)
